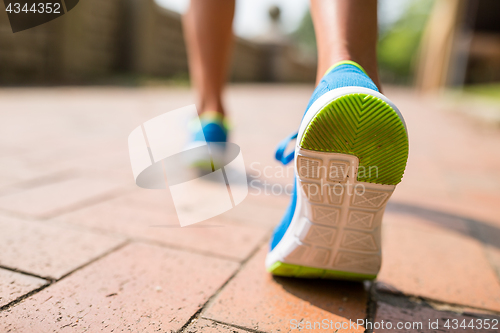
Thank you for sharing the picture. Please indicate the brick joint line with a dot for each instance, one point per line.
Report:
(52, 281)
(210, 300)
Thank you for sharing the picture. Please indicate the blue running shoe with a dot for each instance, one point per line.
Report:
(214, 128)
(351, 151)
(214, 131)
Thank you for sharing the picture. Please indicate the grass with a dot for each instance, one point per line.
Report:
(489, 91)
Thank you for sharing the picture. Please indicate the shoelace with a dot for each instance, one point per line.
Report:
(280, 151)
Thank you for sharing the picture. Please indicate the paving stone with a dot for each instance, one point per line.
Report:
(450, 164)
(477, 211)
(419, 317)
(146, 198)
(441, 259)
(14, 285)
(256, 300)
(255, 210)
(208, 326)
(42, 163)
(52, 199)
(214, 236)
(493, 254)
(255, 118)
(427, 261)
(261, 211)
(48, 250)
(139, 288)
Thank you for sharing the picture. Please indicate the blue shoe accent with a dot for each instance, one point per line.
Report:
(344, 75)
(280, 230)
(280, 151)
(211, 132)
(213, 129)
(214, 132)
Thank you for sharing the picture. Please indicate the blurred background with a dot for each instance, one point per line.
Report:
(429, 44)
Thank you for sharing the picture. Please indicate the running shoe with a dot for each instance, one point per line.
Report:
(214, 133)
(350, 153)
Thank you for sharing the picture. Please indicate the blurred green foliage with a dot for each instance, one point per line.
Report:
(490, 91)
(399, 43)
(304, 36)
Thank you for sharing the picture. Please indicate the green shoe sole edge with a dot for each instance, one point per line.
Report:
(290, 270)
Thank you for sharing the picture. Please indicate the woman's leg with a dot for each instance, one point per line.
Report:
(346, 30)
(209, 37)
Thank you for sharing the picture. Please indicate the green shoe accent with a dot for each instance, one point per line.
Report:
(346, 62)
(289, 270)
(211, 117)
(364, 126)
(215, 117)
(203, 165)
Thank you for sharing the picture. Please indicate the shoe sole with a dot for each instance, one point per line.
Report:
(351, 151)
(205, 159)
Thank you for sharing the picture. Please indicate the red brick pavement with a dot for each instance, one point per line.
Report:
(79, 250)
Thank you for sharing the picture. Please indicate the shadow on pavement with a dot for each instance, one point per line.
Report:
(480, 230)
(335, 296)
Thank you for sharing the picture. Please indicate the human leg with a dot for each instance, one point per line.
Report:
(346, 30)
(208, 34)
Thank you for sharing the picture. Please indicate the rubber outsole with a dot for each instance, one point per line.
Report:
(340, 235)
(290, 270)
(364, 126)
